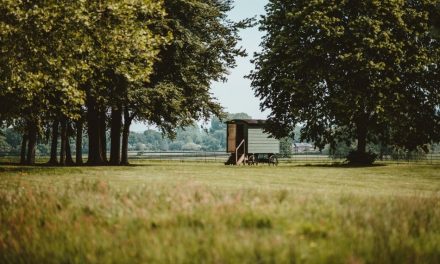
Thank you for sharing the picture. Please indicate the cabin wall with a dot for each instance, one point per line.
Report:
(259, 142)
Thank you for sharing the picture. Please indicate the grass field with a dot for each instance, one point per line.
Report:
(208, 213)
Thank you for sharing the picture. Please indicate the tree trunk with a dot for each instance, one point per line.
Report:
(361, 135)
(79, 137)
(69, 159)
(362, 141)
(103, 135)
(32, 144)
(63, 142)
(95, 155)
(54, 144)
(125, 135)
(116, 124)
(24, 141)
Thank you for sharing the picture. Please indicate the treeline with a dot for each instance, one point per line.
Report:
(90, 68)
(190, 138)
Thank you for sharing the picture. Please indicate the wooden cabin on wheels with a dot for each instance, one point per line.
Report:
(249, 144)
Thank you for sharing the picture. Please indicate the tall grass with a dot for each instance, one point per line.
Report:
(198, 213)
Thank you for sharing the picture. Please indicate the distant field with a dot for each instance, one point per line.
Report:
(174, 212)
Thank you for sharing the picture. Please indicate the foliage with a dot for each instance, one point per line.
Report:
(402, 154)
(203, 49)
(4, 146)
(340, 149)
(12, 137)
(39, 68)
(364, 70)
(149, 140)
(188, 138)
(76, 61)
(435, 16)
(191, 147)
(121, 45)
(355, 157)
(286, 147)
(43, 149)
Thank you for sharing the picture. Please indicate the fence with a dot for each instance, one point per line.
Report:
(220, 157)
(300, 158)
(310, 158)
(182, 156)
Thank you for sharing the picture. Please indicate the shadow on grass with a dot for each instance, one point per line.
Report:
(164, 164)
(16, 168)
(13, 166)
(341, 165)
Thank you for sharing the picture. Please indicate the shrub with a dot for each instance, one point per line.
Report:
(361, 158)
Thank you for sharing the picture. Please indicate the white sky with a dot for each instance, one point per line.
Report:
(236, 95)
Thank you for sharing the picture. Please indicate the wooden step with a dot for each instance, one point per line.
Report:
(241, 160)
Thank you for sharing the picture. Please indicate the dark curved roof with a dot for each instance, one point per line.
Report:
(251, 122)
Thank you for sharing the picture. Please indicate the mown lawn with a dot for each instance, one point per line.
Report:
(208, 213)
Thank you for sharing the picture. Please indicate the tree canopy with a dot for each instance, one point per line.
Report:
(364, 70)
(99, 65)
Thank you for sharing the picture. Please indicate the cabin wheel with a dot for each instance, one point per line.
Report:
(251, 159)
(273, 160)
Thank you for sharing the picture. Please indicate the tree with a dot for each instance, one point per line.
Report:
(346, 70)
(210, 143)
(218, 124)
(121, 46)
(218, 130)
(13, 138)
(286, 147)
(100, 64)
(232, 116)
(4, 146)
(54, 143)
(39, 70)
(203, 49)
(436, 20)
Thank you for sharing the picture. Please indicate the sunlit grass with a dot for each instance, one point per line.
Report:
(172, 212)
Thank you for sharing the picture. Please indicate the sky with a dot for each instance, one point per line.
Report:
(236, 95)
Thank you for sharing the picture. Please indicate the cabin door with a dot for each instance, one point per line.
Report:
(240, 134)
(240, 138)
(235, 137)
(232, 138)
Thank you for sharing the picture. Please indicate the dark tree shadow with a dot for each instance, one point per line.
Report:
(11, 166)
(16, 168)
(341, 165)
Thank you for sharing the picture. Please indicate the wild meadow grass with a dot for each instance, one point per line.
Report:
(208, 213)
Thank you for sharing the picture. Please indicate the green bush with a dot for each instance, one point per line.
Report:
(361, 158)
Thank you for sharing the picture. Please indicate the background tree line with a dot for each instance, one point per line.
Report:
(190, 138)
(196, 138)
(75, 68)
